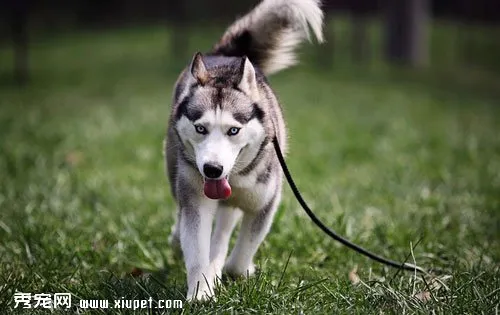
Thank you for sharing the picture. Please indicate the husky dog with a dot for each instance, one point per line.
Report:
(219, 153)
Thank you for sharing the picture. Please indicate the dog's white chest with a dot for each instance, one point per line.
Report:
(250, 198)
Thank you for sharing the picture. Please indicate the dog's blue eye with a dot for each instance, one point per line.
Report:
(233, 131)
(201, 129)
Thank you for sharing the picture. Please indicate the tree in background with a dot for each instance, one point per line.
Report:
(406, 34)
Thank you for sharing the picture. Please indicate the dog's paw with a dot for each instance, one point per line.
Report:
(235, 270)
(216, 268)
(200, 294)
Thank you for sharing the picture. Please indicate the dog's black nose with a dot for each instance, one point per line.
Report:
(212, 170)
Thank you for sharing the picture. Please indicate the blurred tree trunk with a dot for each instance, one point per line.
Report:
(406, 32)
(19, 28)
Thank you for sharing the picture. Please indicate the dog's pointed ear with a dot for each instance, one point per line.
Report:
(198, 69)
(248, 82)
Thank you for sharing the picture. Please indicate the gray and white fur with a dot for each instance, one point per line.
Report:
(219, 141)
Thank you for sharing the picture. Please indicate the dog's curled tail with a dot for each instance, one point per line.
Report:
(269, 34)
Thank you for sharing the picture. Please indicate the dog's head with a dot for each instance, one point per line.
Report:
(219, 120)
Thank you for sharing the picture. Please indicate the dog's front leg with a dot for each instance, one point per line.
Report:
(195, 230)
(225, 221)
(254, 228)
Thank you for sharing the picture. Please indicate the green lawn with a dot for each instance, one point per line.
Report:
(387, 158)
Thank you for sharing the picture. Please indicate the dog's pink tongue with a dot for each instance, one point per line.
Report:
(217, 188)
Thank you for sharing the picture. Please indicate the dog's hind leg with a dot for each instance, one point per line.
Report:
(254, 228)
(225, 221)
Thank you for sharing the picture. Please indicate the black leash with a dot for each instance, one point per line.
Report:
(328, 231)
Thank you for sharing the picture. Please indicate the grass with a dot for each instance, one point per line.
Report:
(388, 159)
